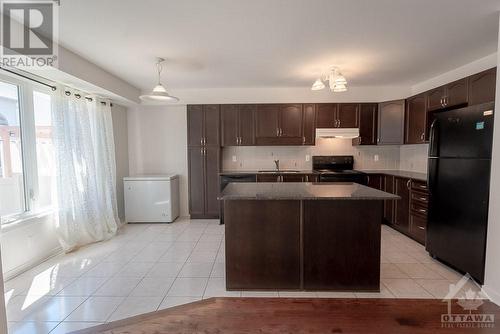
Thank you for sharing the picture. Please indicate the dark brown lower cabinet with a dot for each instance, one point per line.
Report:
(268, 178)
(350, 228)
(204, 184)
(263, 250)
(303, 245)
(389, 204)
(402, 206)
(376, 181)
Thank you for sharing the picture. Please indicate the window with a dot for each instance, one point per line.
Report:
(27, 179)
(11, 157)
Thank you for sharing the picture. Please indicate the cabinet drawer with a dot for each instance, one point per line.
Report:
(418, 228)
(419, 185)
(418, 209)
(420, 197)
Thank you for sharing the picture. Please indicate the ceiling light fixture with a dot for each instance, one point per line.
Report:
(336, 81)
(159, 94)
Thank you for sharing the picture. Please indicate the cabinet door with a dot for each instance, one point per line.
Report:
(402, 206)
(291, 121)
(435, 99)
(293, 177)
(367, 125)
(229, 121)
(482, 87)
(211, 120)
(389, 204)
(266, 122)
(268, 178)
(391, 122)
(309, 125)
(326, 114)
(247, 125)
(348, 115)
(457, 93)
(195, 125)
(418, 228)
(196, 165)
(416, 120)
(376, 181)
(212, 183)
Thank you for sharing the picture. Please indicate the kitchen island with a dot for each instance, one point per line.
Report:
(303, 236)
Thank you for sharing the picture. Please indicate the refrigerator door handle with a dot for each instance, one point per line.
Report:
(433, 138)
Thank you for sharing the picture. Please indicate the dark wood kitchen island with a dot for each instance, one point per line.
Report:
(303, 236)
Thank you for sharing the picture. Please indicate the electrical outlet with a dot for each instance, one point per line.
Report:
(234, 158)
(375, 157)
(308, 157)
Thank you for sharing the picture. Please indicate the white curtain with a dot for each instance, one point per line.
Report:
(85, 169)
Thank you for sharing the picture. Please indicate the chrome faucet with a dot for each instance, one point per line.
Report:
(277, 163)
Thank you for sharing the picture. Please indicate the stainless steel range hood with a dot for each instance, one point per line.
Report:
(346, 133)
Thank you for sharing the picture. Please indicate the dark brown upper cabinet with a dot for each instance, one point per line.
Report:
(203, 125)
(416, 120)
(326, 115)
(368, 115)
(290, 121)
(279, 124)
(309, 124)
(343, 115)
(237, 125)
(348, 115)
(482, 87)
(447, 96)
(391, 123)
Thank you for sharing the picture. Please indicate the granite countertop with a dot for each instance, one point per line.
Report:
(303, 191)
(396, 172)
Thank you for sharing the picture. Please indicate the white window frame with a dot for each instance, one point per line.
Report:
(28, 149)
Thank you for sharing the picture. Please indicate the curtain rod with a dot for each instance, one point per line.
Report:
(54, 88)
(29, 78)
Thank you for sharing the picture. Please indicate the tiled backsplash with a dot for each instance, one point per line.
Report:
(410, 158)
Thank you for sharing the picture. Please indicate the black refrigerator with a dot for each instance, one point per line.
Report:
(459, 185)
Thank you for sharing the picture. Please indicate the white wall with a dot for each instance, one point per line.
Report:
(492, 279)
(120, 132)
(456, 74)
(28, 243)
(157, 144)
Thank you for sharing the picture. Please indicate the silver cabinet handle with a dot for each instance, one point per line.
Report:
(340, 123)
(201, 141)
(422, 210)
(281, 132)
(408, 184)
(422, 136)
(277, 132)
(303, 140)
(420, 227)
(307, 178)
(445, 101)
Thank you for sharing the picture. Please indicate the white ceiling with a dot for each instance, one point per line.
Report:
(279, 43)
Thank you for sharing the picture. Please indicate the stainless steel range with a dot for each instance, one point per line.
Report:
(337, 168)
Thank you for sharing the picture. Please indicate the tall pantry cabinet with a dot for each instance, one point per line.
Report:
(204, 159)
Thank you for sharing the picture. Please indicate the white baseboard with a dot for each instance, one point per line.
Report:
(31, 264)
(493, 294)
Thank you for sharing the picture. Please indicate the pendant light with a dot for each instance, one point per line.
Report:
(159, 94)
(336, 81)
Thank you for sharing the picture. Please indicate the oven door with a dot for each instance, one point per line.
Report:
(357, 178)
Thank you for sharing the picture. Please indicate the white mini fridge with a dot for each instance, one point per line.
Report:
(151, 198)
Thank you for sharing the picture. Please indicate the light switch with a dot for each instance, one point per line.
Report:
(375, 157)
(234, 158)
(308, 157)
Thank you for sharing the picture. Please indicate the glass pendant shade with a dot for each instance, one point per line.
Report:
(318, 85)
(159, 94)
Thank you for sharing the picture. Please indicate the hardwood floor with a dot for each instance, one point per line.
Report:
(273, 315)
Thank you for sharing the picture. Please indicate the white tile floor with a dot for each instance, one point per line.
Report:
(151, 267)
